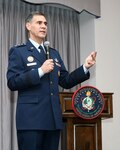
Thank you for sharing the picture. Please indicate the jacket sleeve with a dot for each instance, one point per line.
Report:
(17, 76)
(68, 80)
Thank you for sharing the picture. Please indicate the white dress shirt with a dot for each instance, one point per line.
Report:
(40, 72)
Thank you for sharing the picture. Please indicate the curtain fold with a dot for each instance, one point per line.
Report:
(63, 34)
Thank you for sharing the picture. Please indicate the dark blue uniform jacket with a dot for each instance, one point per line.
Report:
(38, 105)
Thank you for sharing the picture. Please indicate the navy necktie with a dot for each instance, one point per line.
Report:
(42, 52)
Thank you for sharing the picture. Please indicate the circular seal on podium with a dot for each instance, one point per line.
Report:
(88, 102)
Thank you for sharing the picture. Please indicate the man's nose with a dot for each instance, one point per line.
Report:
(43, 25)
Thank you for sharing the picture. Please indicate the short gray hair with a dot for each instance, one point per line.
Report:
(32, 14)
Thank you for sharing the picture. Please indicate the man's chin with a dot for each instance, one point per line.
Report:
(42, 37)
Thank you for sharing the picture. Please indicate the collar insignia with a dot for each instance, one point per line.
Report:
(31, 48)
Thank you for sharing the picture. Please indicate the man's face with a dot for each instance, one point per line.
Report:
(37, 27)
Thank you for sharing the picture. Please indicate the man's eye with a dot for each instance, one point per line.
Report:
(39, 22)
(45, 23)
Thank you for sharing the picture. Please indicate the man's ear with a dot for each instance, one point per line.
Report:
(28, 26)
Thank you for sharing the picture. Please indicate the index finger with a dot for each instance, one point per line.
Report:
(93, 55)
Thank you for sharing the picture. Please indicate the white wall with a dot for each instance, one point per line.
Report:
(87, 43)
(107, 43)
(103, 34)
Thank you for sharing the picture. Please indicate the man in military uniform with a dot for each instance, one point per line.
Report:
(38, 113)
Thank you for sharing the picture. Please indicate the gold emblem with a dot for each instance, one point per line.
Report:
(58, 73)
(30, 59)
(88, 93)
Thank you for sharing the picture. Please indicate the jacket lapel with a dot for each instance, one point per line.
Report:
(34, 52)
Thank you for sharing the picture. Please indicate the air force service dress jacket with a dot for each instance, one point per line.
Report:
(38, 105)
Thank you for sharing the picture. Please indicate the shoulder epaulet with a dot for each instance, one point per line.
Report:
(20, 45)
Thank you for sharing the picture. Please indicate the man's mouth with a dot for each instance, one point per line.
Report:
(42, 32)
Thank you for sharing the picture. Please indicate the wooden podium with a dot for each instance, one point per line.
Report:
(81, 134)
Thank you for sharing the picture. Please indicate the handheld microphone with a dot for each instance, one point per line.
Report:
(46, 44)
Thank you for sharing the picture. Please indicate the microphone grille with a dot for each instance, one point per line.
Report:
(46, 43)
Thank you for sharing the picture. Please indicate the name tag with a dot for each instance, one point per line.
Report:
(32, 64)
